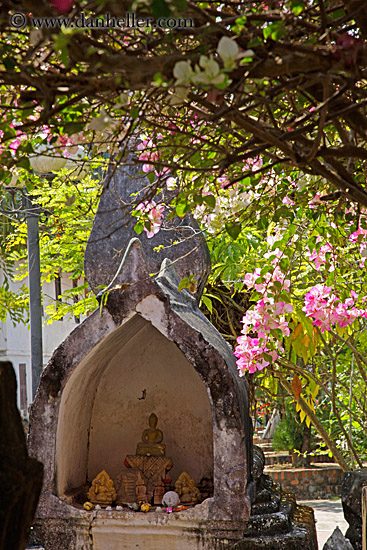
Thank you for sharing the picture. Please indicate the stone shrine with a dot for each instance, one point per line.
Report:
(149, 348)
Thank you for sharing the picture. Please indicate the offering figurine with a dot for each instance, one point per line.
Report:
(170, 499)
(141, 490)
(102, 491)
(151, 444)
(186, 489)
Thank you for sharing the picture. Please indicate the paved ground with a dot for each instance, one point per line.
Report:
(328, 514)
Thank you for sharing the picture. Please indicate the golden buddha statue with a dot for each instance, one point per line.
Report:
(151, 444)
(186, 489)
(102, 491)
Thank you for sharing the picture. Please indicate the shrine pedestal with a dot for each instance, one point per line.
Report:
(161, 531)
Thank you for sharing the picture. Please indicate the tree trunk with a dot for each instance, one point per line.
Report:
(306, 445)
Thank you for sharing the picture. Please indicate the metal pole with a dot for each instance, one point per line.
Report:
(35, 303)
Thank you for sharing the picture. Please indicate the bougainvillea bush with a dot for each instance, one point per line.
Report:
(253, 116)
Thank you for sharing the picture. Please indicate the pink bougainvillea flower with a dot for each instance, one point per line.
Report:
(14, 145)
(353, 237)
(62, 6)
(320, 256)
(155, 215)
(287, 200)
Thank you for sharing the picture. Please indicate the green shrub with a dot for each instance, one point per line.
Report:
(288, 435)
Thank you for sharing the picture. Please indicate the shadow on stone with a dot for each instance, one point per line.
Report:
(20, 476)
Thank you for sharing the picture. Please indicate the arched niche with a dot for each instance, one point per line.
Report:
(107, 401)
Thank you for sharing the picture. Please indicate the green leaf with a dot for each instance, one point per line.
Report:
(208, 303)
(198, 199)
(151, 176)
(9, 63)
(209, 200)
(266, 269)
(184, 283)
(138, 228)
(180, 5)
(160, 8)
(134, 112)
(181, 209)
(271, 383)
(283, 212)
(277, 285)
(233, 230)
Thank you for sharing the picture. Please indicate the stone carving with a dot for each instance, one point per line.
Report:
(258, 462)
(235, 479)
(153, 469)
(102, 491)
(159, 491)
(126, 484)
(337, 541)
(20, 476)
(141, 490)
(151, 444)
(186, 489)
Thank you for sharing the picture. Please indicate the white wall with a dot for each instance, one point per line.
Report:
(15, 340)
(104, 408)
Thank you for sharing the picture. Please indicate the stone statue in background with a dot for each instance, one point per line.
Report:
(151, 444)
(186, 489)
(102, 491)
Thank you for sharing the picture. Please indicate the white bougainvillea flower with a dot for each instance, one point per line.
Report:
(182, 72)
(229, 52)
(179, 95)
(171, 183)
(102, 122)
(124, 100)
(211, 73)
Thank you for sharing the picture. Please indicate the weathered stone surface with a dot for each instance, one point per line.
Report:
(113, 229)
(352, 483)
(270, 524)
(20, 476)
(337, 541)
(258, 462)
(292, 528)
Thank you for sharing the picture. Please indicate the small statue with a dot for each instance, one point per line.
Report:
(159, 491)
(102, 491)
(186, 489)
(141, 490)
(151, 444)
